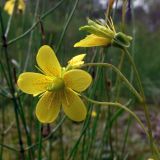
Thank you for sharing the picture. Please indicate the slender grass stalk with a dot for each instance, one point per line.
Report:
(116, 104)
(134, 38)
(61, 150)
(11, 86)
(27, 130)
(126, 137)
(145, 107)
(16, 102)
(66, 25)
(93, 133)
(48, 137)
(9, 148)
(87, 120)
(10, 18)
(2, 129)
(99, 82)
(106, 138)
(35, 24)
(120, 65)
(31, 37)
(22, 155)
(4, 73)
(39, 141)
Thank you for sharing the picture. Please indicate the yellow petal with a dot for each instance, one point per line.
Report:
(92, 41)
(21, 5)
(94, 114)
(33, 83)
(8, 7)
(48, 107)
(77, 61)
(77, 79)
(48, 61)
(73, 106)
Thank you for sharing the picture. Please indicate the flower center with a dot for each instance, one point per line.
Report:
(56, 85)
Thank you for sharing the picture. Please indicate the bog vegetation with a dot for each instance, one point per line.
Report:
(79, 81)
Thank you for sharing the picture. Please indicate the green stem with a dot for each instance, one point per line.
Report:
(9, 147)
(39, 142)
(31, 38)
(116, 104)
(49, 136)
(125, 137)
(2, 129)
(27, 131)
(87, 120)
(35, 24)
(61, 150)
(132, 89)
(19, 134)
(11, 86)
(66, 25)
(145, 107)
(10, 18)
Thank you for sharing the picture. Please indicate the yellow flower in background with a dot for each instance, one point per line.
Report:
(58, 87)
(103, 34)
(9, 6)
(94, 114)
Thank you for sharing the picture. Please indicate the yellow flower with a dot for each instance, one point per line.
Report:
(58, 87)
(94, 114)
(103, 34)
(9, 6)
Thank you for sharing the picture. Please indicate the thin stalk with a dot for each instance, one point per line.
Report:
(4, 73)
(125, 137)
(94, 127)
(120, 65)
(48, 137)
(22, 155)
(39, 141)
(66, 25)
(11, 86)
(50, 149)
(83, 147)
(106, 138)
(87, 121)
(145, 107)
(98, 86)
(10, 18)
(116, 104)
(9, 147)
(132, 89)
(27, 131)
(31, 37)
(16, 102)
(61, 150)
(117, 84)
(36, 23)
(134, 37)
(2, 129)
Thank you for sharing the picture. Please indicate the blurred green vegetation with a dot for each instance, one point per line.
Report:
(145, 48)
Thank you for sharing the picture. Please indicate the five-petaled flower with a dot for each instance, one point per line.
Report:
(9, 6)
(103, 34)
(57, 86)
